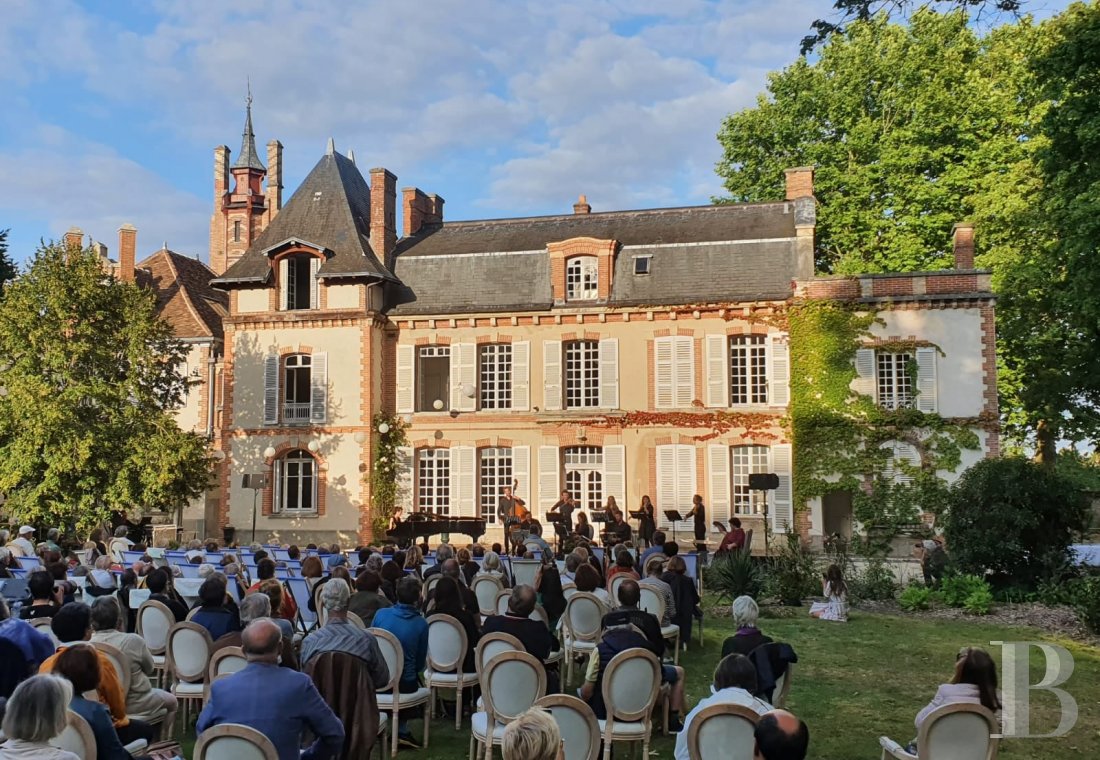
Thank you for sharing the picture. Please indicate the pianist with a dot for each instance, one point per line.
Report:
(395, 520)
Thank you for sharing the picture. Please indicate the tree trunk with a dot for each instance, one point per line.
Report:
(1046, 449)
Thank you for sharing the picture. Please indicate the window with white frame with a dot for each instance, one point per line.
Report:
(582, 374)
(582, 278)
(584, 476)
(893, 379)
(433, 481)
(299, 281)
(495, 376)
(433, 378)
(748, 370)
(748, 460)
(295, 483)
(297, 386)
(494, 473)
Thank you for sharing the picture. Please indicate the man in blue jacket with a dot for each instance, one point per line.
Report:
(405, 622)
(278, 702)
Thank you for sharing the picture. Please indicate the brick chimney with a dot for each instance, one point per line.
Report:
(437, 208)
(383, 214)
(273, 190)
(581, 206)
(800, 182)
(127, 252)
(419, 209)
(74, 238)
(962, 239)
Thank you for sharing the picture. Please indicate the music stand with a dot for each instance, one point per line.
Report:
(558, 521)
(673, 517)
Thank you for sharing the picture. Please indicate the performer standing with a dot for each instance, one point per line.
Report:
(513, 512)
(699, 512)
(648, 524)
(564, 507)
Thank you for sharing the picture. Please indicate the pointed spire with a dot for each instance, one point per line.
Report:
(351, 156)
(331, 148)
(248, 158)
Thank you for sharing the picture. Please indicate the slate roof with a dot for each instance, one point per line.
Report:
(699, 254)
(331, 209)
(248, 158)
(184, 295)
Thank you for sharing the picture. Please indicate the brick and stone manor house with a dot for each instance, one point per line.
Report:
(612, 354)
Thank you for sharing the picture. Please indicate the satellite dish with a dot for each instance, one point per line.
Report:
(468, 390)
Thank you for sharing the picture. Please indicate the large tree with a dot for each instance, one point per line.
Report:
(7, 266)
(89, 380)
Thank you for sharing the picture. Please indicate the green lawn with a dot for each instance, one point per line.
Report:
(857, 681)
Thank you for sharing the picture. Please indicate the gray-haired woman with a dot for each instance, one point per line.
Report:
(36, 713)
(747, 637)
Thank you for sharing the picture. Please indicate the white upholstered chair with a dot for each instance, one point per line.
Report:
(580, 731)
(724, 731)
(581, 627)
(154, 620)
(510, 684)
(232, 741)
(486, 588)
(188, 659)
(631, 686)
(393, 702)
(952, 732)
(447, 644)
(652, 602)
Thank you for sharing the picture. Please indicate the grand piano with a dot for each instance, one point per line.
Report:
(424, 524)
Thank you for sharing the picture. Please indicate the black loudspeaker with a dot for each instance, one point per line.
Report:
(763, 481)
(255, 480)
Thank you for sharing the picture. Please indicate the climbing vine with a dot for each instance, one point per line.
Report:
(383, 474)
(840, 436)
(757, 425)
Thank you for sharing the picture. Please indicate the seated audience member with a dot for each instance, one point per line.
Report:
(781, 736)
(670, 548)
(45, 598)
(656, 549)
(82, 668)
(278, 702)
(35, 714)
(368, 597)
(414, 558)
(835, 591)
(629, 614)
(624, 565)
(312, 570)
(537, 539)
(447, 600)
(534, 735)
(533, 634)
(452, 569)
(588, 580)
(734, 540)
(442, 554)
(974, 682)
(59, 571)
(340, 635)
(213, 614)
(265, 570)
(293, 552)
(211, 546)
(275, 592)
(654, 569)
(747, 636)
(685, 594)
(128, 582)
(469, 567)
(101, 581)
(550, 591)
(5, 562)
(392, 573)
(491, 565)
(254, 607)
(572, 562)
(158, 582)
(206, 570)
(142, 700)
(24, 543)
(405, 622)
(734, 683)
(34, 645)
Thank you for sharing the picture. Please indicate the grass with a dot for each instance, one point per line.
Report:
(869, 677)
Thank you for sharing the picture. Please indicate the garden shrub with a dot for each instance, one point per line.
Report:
(876, 582)
(736, 574)
(956, 589)
(794, 573)
(979, 601)
(915, 598)
(1015, 519)
(1088, 602)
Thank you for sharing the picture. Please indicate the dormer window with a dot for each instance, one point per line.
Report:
(582, 279)
(298, 281)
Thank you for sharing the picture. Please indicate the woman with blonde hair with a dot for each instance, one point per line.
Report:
(534, 735)
(414, 558)
(36, 713)
(491, 565)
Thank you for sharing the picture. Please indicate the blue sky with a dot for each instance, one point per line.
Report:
(505, 108)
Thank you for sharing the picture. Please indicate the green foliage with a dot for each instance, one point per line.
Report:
(794, 572)
(384, 470)
(876, 581)
(956, 589)
(736, 574)
(8, 270)
(979, 601)
(1014, 519)
(90, 379)
(1087, 602)
(915, 598)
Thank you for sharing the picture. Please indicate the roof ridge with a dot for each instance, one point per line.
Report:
(184, 291)
(619, 212)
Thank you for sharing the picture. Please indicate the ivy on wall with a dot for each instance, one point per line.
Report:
(840, 437)
(383, 474)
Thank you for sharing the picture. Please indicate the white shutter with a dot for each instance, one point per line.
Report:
(521, 376)
(318, 388)
(718, 481)
(277, 473)
(406, 387)
(717, 371)
(609, 373)
(927, 400)
(549, 474)
(864, 384)
(551, 375)
(521, 473)
(314, 265)
(463, 481)
(779, 373)
(662, 373)
(782, 501)
(404, 472)
(666, 482)
(686, 484)
(284, 284)
(271, 389)
(463, 372)
(614, 473)
(902, 453)
(684, 362)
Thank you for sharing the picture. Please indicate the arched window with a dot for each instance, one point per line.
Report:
(296, 483)
(582, 279)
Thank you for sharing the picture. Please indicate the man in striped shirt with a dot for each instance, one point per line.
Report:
(340, 635)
